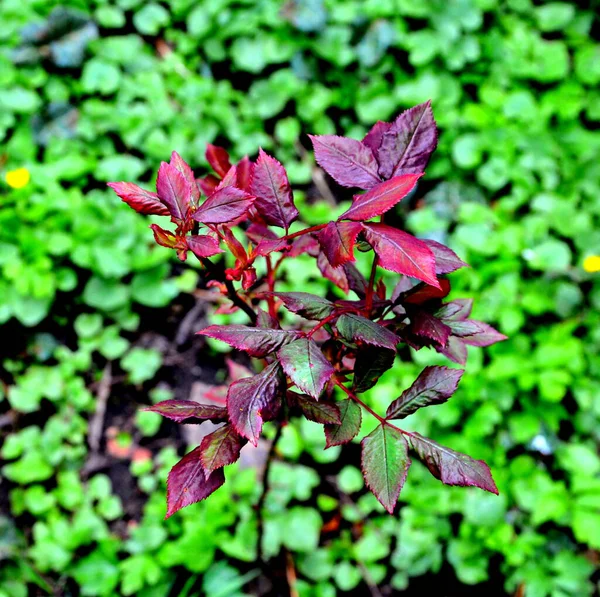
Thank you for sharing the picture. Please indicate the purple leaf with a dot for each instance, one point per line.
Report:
(218, 158)
(257, 342)
(455, 350)
(270, 185)
(450, 467)
(220, 448)
(350, 420)
(304, 363)
(385, 463)
(409, 142)
(182, 410)
(355, 327)
(374, 137)
(202, 245)
(174, 191)
(229, 180)
(356, 281)
(208, 184)
(402, 253)
(433, 386)
(188, 483)
(486, 336)
(252, 400)
(144, 202)
(421, 293)
(370, 365)
(309, 306)
(380, 198)
(245, 168)
(182, 167)
(319, 412)
(457, 310)
(270, 245)
(337, 240)
(427, 326)
(336, 274)
(224, 205)
(347, 161)
(446, 260)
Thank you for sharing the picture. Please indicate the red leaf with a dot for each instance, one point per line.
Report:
(374, 137)
(304, 363)
(187, 482)
(350, 420)
(235, 246)
(486, 336)
(380, 198)
(208, 184)
(422, 292)
(182, 410)
(229, 180)
(182, 167)
(319, 412)
(336, 274)
(337, 240)
(218, 158)
(307, 243)
(457, 310)
(450, 467)
(144, 202)
(408, 143)
(257, 342)
(202, 245)
(385, 463)
(356, 281)
(309, 306)
(426, 325)
(252, 400)
(347, 161)
(220, 448)
(224, 205)
(433, 386)
(163, 237)
(174, 190)
(270, 185)
(355, 327)
(446, 260)
(402, 253)
(245, 169)
(270, 245)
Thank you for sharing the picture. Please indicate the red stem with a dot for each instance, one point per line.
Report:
(369, 297)
(271, 285)
(305, 231)
(322, 323)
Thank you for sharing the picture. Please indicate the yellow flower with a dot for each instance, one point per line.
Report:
(18, 178)
(592, 263)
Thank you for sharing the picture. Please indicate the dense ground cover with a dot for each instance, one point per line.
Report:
(92, 313)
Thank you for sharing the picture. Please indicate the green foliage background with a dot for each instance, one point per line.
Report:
(515, 189)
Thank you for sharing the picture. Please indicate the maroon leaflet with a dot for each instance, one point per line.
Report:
(271, 187)
(337, 240)
(174, 191)
(402, 253)
(182, 410)
(330, 349)
(224, 205)
(218, 158)
(144, 202)
(433, 386)
(252, 400)
(450, 467)
(220, 448)
(188, 483)
(380, 198)
(347, 161)
(409, 142)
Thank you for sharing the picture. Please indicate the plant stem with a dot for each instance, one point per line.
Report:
(322, 323)
(265, 488)
(235, 298)
(271, 285)
(369, 297)
(305, 231)
(358, 401)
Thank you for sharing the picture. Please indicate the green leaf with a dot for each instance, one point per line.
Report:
(351, 417)
(385, 464)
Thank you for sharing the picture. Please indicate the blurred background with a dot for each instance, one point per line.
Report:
(97, 321)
